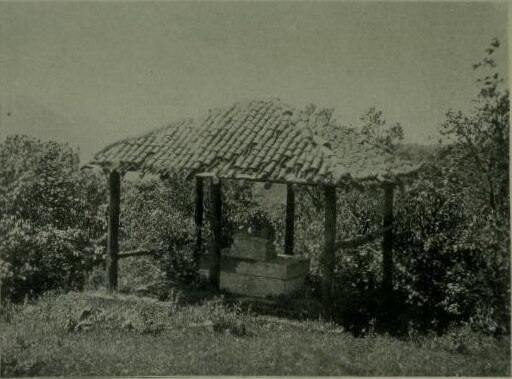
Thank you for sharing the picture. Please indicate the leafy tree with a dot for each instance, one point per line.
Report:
(452, 228)
(478, 156)
(52, 217)
(480, 140)
(378, 133)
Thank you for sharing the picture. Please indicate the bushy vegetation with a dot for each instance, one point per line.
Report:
(52, 218)
(159, 215)
(454, 226)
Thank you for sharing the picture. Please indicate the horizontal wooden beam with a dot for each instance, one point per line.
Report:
(350, 244)
(278, 181)
(345, 186)
(135, 253)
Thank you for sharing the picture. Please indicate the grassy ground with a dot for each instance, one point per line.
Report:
(94, 334)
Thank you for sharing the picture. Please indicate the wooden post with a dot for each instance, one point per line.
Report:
(328, 258)
(199, 210)
(113, 231)
(290, 220)
(216, 225)
(387, 241)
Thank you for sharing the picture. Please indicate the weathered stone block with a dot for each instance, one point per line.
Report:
(282, 275)
(259, 286)
(251, 247)
(281, 267)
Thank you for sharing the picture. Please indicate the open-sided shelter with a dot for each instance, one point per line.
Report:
(266, 141)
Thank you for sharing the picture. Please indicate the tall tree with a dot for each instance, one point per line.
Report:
(479, 141)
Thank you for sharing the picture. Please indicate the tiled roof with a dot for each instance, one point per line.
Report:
(258, 140)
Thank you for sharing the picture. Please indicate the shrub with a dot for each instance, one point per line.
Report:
(450, 264)
(34, 260)
(52, 217)
(157, 214)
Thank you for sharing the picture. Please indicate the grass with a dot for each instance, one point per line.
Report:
(92, 334)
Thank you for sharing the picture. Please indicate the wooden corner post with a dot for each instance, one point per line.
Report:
(111, 265)
(328, 258)
(387, 241)
(216, 225)
(198, 218)
(290, 220)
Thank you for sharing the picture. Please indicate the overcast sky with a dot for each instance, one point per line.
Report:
(92, 73)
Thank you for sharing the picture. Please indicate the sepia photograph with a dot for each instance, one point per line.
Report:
(254, 188)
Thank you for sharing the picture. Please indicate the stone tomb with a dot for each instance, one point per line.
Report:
(251, 267)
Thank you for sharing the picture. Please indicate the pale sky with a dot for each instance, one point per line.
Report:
(92, 73)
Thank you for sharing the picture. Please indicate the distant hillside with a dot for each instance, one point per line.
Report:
(417, 152)
(26, 115)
